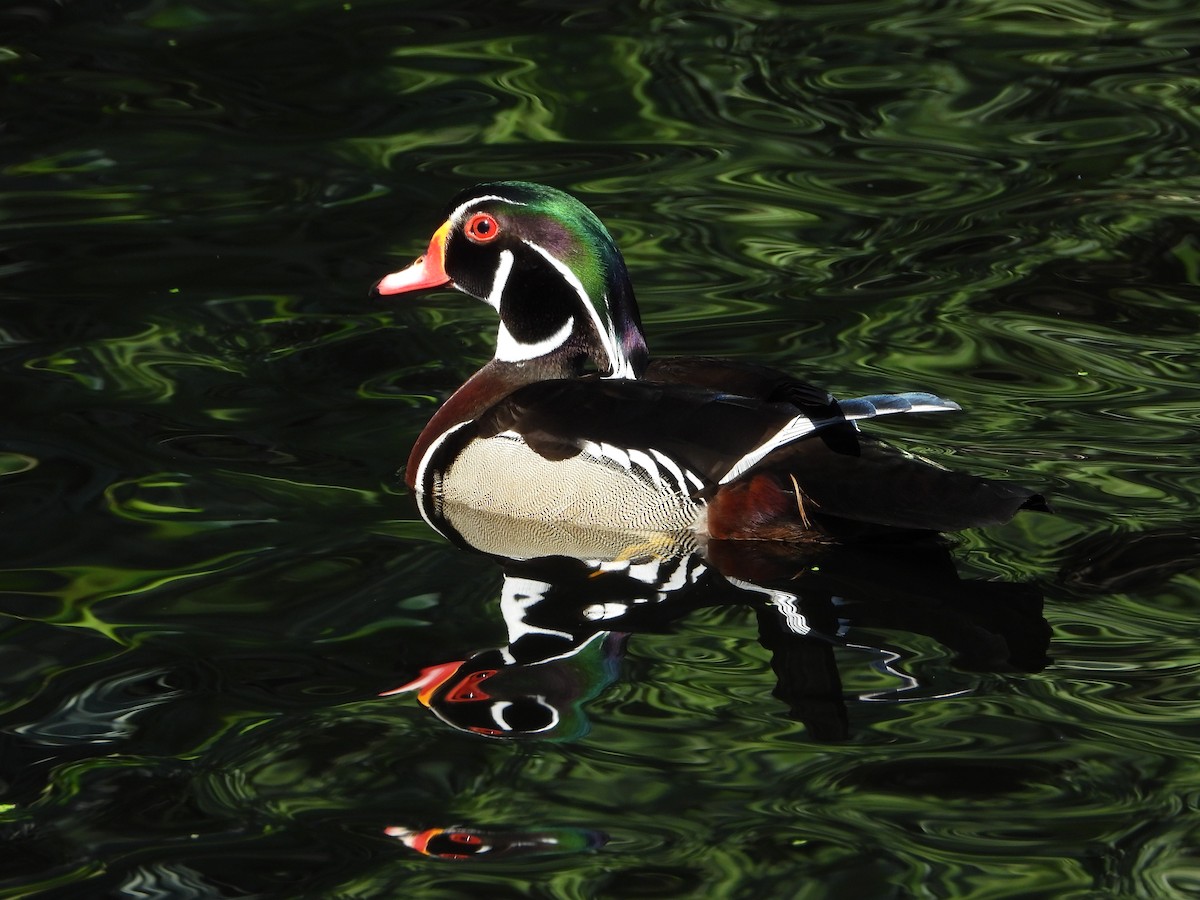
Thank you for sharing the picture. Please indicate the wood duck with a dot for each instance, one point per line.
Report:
(572, 422)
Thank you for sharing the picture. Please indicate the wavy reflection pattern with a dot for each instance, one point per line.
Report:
(209, 571)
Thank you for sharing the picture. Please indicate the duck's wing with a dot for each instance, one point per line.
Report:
(714, 438)
(746, 379)
(885, 486)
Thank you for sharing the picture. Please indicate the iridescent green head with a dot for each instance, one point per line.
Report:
(548, 267)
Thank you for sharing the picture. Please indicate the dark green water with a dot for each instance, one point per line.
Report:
(210, 569)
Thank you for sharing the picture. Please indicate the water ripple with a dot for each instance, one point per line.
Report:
(212, 570)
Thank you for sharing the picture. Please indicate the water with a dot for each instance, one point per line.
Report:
(211, 571)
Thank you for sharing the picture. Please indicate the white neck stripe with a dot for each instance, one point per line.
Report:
(509, 349)
(621, 367)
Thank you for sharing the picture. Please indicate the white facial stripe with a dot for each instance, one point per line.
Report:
(499, 716)
(509, 349)
(463, 207)
(503, 270)
(621, 367)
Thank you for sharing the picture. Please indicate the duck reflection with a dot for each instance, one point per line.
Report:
(572, 598)
(460, 842)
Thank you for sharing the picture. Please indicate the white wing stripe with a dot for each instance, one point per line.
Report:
(854, 408)
(792, 431)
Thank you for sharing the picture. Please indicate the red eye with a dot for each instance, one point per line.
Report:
(481, 228)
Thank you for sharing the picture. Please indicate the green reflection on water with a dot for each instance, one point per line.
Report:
(211, 571)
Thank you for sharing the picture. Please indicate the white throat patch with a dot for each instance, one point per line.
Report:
(509, 349)
(503, 270)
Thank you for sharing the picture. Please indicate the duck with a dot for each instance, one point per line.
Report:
(572, 423)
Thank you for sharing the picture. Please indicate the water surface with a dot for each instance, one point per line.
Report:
(211, 570)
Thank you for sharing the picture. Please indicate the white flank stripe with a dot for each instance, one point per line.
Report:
(669, 464)
(604, 451)
(616, 454)
(787, 604)
(427, 512)
(644, 462)
(889, 404)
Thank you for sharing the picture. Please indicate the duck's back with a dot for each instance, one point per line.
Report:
(646, 456)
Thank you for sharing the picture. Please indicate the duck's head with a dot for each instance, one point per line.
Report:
(548, 267)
